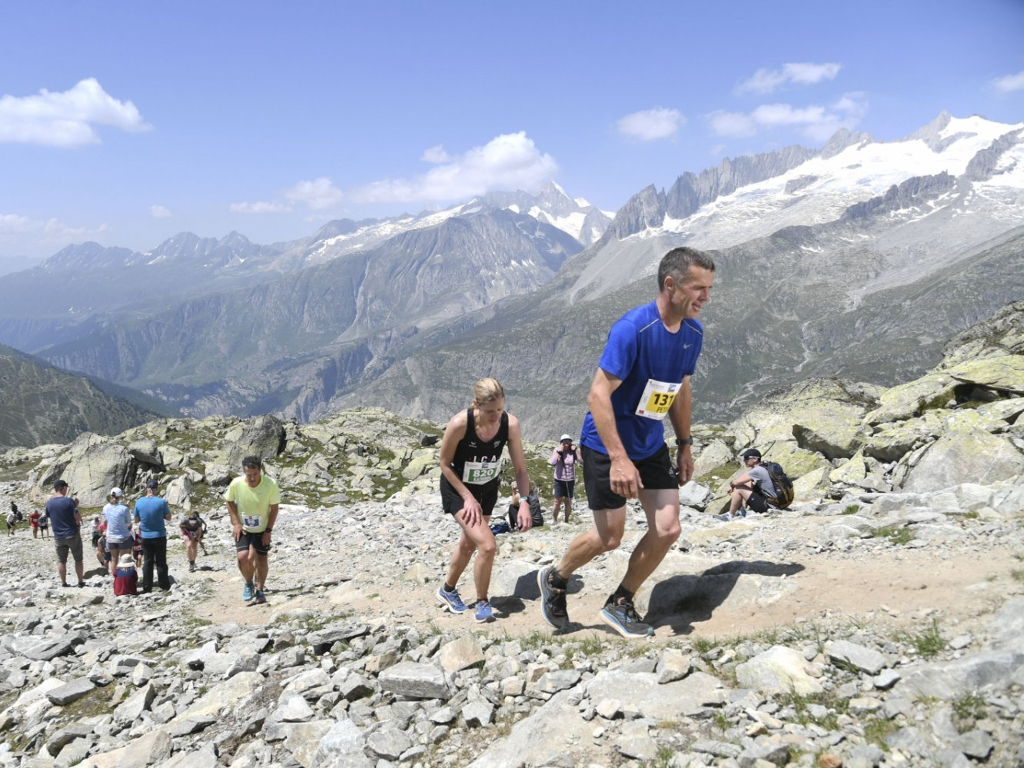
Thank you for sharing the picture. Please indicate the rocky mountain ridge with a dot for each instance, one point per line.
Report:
(855, 260)
(43, 404)
(876, 623)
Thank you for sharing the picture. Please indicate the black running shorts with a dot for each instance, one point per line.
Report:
(656, 473)
(255, 539)
(452, 502)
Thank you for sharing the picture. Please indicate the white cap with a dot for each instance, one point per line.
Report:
(117, 493)
(565, 437)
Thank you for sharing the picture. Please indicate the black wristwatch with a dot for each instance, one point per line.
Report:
(680, 442)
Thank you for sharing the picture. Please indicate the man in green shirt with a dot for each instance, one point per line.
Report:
(253, 499)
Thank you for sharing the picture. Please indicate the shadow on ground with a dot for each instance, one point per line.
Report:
(680, 601)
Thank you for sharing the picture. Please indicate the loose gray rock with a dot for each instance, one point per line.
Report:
(423, 681)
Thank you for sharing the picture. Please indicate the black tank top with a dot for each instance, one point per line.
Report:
(482, 457)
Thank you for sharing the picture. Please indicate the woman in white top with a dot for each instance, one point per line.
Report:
(119, 527)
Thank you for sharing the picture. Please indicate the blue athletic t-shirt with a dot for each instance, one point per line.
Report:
(151, 510)
(640, 349)
(61, 511)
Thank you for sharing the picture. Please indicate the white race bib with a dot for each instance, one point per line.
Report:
(480, 472)
(252, 521)
(657, 399)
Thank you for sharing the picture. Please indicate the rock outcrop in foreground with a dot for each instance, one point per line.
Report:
(878, 622)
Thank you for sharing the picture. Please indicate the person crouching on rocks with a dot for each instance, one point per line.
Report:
(470, 477)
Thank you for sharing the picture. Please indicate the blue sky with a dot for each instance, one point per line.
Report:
(126, 123)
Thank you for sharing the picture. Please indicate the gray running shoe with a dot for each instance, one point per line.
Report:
(552, 599)
(623, 618)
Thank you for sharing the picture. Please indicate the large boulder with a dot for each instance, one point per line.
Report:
(91, 465)
(146, 451)
(1002, 373)
(263, 436)
(911, 399)
(964, 456)
(800, 426)
(179, 492)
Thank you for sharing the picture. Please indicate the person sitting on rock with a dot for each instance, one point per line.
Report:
(753, 490)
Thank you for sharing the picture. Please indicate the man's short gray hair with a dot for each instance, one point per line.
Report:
(678, 261)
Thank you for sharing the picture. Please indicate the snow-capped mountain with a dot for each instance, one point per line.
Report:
(981, 160)
(551, 205)
(854, 259)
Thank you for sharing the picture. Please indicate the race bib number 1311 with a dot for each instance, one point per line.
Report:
(657, 399)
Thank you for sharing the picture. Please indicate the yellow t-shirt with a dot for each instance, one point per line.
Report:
(253, 504)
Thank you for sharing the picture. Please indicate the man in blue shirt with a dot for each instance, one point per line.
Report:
(67, 537)
(643, 376)
(151, 512)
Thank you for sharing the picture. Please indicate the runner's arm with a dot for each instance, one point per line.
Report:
(236, 523)
(625, 479)
(680, 414)
(271, 519)
(515, 449)
(455, 431)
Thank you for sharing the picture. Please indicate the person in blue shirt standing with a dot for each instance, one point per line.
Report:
(119, 527)
(643, 376)
(151, 513)
(67, 536)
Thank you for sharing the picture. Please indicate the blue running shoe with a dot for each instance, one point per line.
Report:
(483, 612)
(260, 597)
(622, 617)
(451, 600)
(247, 592)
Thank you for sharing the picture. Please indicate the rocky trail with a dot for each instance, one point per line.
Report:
(878, 622)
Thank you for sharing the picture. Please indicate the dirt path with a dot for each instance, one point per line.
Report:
(715, 596)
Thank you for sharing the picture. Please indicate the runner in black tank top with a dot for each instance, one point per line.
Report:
(477, 460)
(470, 467)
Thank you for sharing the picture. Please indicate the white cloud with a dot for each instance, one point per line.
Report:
(803, 73)
(13, 222)
(771, 115)
(509, 161)
(815, 122)
(52, 229)
(733, 124)
(260, 207)
(67, 118)
(435, 155)
(1010, 83)
(318, 194)
(160, 212)
(651, 124)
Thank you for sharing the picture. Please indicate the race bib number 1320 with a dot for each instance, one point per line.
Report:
(657, 399)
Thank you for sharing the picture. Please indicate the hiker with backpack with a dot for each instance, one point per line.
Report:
(763, 484)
